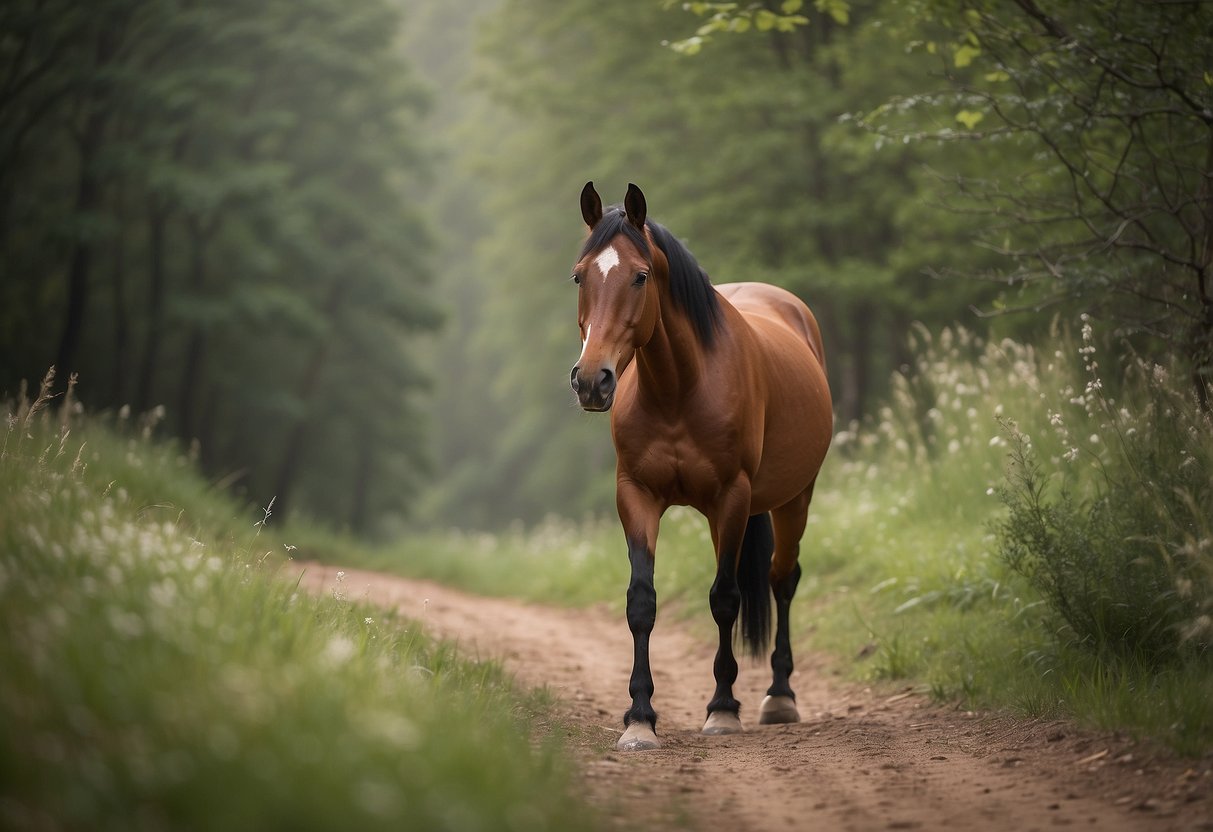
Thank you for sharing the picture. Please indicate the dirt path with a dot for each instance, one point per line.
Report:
(859, 761)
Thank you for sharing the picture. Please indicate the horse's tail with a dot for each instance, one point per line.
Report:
(754, 581)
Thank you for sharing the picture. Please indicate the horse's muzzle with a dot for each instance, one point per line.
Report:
(595, 389)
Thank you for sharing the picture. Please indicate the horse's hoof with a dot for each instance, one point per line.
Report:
(722, 722)
(778, 709)
(638, 737)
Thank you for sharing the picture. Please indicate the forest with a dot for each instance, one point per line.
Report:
(324, 246)
(286, 326)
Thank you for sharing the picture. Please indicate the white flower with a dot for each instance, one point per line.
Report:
(339, 650)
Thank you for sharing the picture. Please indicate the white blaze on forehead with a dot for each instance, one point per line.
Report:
(607, 260)
(586, 341)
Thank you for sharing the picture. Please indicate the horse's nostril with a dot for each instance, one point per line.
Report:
(606, 382)
(573, 378)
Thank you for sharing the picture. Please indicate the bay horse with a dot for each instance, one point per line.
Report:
(718, 400)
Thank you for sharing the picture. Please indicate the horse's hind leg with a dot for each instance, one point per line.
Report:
(789, 522)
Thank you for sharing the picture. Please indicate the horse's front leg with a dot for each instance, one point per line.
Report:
(728, 530)
(640, 515)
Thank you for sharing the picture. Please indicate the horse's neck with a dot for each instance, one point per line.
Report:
(673, 361)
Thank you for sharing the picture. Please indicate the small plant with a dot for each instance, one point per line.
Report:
(1118, 537)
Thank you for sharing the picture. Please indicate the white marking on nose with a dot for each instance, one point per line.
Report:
(607, 260)
(586, 341)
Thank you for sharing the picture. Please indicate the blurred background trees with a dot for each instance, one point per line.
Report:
(257, 215)
(212, 207)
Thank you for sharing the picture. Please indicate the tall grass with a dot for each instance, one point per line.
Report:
(1051, 550)
(158, 673)
(1118, 537)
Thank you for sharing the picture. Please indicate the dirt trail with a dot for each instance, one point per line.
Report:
(859, 761)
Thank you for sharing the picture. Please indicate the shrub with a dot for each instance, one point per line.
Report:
(1117, 537)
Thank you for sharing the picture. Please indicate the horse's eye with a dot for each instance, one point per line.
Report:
(576, 278)
(641, 277)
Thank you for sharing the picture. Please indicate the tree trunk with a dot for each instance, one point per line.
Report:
(206, 429)
(1202, 353)
(157, 221)
(122, 332)
(88, 197)
(862, 321)
(364, 471)
(195, 352)
(292, 453)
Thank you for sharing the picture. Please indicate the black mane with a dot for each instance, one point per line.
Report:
(689, 285)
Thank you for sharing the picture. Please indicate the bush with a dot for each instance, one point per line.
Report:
(1118, 537)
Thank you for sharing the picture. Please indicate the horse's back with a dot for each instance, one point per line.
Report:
(798, 418)
(764, 301)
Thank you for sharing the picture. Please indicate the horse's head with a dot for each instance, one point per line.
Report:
(617, 305)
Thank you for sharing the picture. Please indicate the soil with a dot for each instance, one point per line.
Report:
(861, 759)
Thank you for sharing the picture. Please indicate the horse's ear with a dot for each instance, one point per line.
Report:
(635, 207)
(591, 205)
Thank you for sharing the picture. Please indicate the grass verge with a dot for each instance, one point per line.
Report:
(159, 674)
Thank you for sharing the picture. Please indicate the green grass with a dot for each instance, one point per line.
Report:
(159, 673)
(901, 554)
(559, 561)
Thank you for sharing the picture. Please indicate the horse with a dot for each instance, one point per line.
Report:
(719, 400)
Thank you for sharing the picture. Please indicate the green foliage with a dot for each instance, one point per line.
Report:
(733, 17)
(1100, 196)
(1119, 539)
(212, 207)
(161, 673)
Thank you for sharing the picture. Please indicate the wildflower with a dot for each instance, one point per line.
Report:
(368, 620)
(1070, 455)
(339, 650)
(1055, 419)
(1094, 439)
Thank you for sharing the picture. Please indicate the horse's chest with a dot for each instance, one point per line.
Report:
(679, 464)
